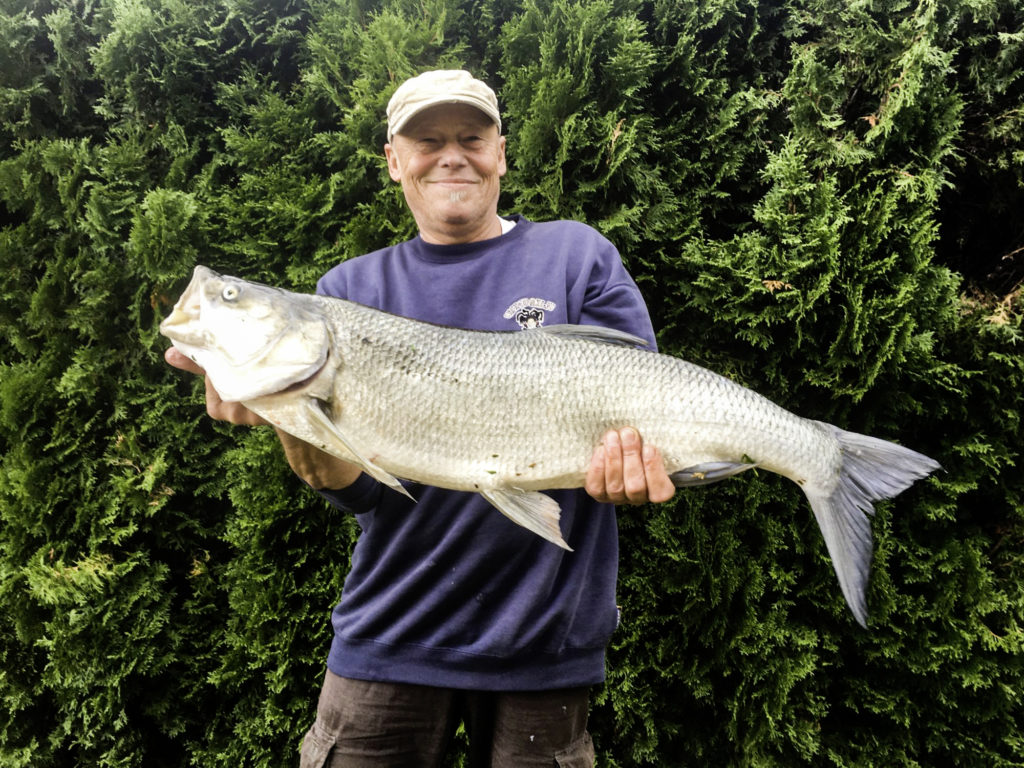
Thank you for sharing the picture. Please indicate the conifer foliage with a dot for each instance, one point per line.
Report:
(820, 199)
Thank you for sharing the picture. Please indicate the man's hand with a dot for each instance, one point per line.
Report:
(217, 408)
(318, 469)
(625, 471)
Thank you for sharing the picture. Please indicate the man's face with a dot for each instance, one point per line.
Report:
(449, 160)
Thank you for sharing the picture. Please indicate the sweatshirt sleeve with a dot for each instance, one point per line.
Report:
(611, 298)
(361, 496)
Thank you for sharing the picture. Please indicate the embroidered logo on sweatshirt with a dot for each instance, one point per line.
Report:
(529, 313)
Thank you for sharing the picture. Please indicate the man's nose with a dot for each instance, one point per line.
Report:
(452, 155)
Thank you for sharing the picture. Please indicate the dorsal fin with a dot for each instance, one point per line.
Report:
(592, 333)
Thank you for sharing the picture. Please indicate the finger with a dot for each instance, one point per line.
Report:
(659, 485)
(613, 488)
(179, 359)
(215, 406)
(229, 410)
(634, 478)
(594, 482)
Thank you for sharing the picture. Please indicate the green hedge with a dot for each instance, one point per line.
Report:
(821, 199)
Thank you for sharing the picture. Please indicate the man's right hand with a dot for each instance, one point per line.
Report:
(216, 407)
(317, 468)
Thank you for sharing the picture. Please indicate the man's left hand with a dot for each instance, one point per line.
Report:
(624, 470)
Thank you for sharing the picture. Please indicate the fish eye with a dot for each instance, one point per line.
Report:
(230, 293)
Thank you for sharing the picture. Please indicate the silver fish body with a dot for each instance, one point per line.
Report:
(509, 415)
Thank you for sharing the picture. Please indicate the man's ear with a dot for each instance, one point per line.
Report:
(393, 166)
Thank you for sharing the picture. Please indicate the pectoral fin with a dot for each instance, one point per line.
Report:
(707, 473)
(533, 510)
(328, 430)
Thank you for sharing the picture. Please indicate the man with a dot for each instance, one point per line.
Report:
(450, 612)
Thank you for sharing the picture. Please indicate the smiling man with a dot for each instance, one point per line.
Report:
(449, 160)
(450, 612)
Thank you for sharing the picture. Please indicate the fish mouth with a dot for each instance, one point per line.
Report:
(180, 324)
(176, 327)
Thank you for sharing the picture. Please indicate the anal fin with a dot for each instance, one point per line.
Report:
(707, 473)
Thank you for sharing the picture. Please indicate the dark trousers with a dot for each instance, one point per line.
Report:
(361, 724)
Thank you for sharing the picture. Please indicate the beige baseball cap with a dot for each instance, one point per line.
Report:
(439, 86)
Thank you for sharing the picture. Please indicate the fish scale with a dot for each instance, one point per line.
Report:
(513, 414)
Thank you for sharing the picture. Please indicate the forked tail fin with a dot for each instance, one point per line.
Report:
(872, 470)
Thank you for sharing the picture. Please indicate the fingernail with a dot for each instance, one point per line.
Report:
(630, 437)
(611, 440)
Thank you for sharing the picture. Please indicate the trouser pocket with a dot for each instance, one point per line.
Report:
(316, 746)
(579, 754)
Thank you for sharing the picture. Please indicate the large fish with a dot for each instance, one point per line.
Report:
(509, 415)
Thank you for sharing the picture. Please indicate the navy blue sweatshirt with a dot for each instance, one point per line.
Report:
(447, 591)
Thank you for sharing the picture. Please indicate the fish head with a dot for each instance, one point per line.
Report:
(251, 339)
